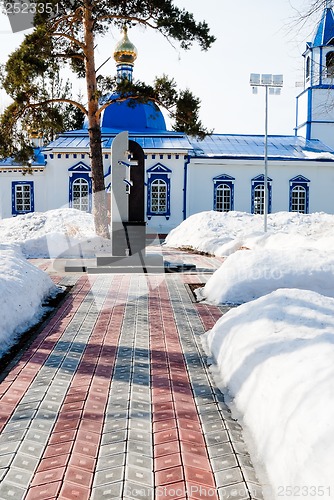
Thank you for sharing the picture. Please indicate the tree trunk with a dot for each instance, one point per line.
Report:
(100, 212)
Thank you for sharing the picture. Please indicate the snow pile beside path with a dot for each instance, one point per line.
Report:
(222, 233)
(275, 355)
(57, 233)
(247, 275)
(23, 288)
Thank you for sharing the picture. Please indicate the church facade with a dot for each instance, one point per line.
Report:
(184, 175)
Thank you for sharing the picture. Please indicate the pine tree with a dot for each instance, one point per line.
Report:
(68, 35)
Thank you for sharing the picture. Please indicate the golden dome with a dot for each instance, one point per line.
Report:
(125, 51)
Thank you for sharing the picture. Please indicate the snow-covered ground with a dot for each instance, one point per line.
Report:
(23, 287)
(64, 232)
(274, 353)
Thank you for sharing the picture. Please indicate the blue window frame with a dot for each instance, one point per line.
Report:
(299, 194)
(223, 193)
(22, 197)
(80, 192)
(158, 191)
(257, 195)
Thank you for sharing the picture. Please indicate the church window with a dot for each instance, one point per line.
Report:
(308, 62)
(158, 201)
(330, 65)
(223, 195)
(22, 197)
(299, 194)
(259, 199)
(158, 191)
(258, 195)
(80, 192)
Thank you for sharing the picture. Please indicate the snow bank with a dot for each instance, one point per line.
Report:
(22, 290)
(222, 233)
(63, 232)
(275, 355)
(249, 274)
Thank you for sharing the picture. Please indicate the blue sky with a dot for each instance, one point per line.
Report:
(252, 37)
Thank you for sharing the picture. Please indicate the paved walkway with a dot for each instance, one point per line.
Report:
(113, 399)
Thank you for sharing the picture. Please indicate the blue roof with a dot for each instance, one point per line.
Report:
(38, 161)
(78, 139)
(133, 116)
(325, 29)
(280, 147)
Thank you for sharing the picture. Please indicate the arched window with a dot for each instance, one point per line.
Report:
(80, 194)
(259, 199)
(307, 67)
(158, 198)
(298, 199)
(299, 194)
(330, 65)
(223, 198)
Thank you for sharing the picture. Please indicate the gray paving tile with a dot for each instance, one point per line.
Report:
(108, 491)
(139, 460)
(15, 426)
(134, 491)
(140, 447)
(19, 477)
(108, 476)
(25, 462)
(110, 461)
(139, 475)
(16, 435)
(115, 425)
(113, 437)
(112, 449)
(140, 435)
(41, 425)
(255, 491)
(37, 436)
(216, 437)
(32, 449)
(213, 426)
(237, 491)
(22, 415)
(227, 477)
(6, 460)
(222, 462)
(10, 491)
(139, 424)
(9, 448)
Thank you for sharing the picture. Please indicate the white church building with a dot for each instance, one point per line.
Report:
(184, 175)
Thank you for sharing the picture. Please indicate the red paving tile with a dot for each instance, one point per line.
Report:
(71, 491)
(199, 476)
(199, 491)
(53, 462)
(191, 437)
(165, 436)
(82, 462)
(166, 448)
(163, 425)
(62, 437)
(167, 461)
(190, 425)
(195, 460)
(55, 450)
(193, 448)
(48, 476)
(78, 476)
(175, 491)
(43, 492)
(169, 476)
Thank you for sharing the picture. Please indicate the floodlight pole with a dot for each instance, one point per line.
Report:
(265, 192)
(274, 83)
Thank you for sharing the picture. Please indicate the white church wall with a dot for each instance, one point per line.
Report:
(6, 186)
(302, 112)
(176, 162)
(322, 104)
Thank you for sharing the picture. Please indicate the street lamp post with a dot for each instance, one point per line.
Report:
(272, 85)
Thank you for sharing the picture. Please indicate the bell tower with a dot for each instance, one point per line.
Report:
(315, 104)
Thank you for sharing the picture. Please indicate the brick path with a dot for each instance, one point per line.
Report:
(114, 400)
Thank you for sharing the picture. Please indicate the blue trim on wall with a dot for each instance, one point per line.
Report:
(185, 186)
(32, 197)
(80, 167)
(219, 180)
(257, 181)
(309, 114)
(321, 66)
(302, 181)
(74, 177)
